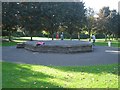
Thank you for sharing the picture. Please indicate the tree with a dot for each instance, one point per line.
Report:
(63, 14)
(104, 12)
(51, 17)
(73, 15)
(102, 26)
(30, 16)
(118, 25)
(113, 23)
(90, 21)
(40, 15)
(107, 22)
(9, 17)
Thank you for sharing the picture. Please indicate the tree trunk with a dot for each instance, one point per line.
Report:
(52, 36)
(52, 33)
(109, 37)
(31, 35)
(78, 36)
(31, 38)
(70, 37)
(9, 36)
(116, 37)
(112, 37)
(48, 36)
(105, 37)
(89, 32)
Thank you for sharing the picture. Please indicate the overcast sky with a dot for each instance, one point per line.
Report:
(98, 4)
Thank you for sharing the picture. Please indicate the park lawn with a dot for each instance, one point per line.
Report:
(39, 76)
(99, 42)
(19, 40)
(113, 44)
(8, 43)
(12, 43)
(103, 43)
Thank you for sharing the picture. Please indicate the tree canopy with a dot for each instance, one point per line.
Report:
(72, 17)
(34, 16)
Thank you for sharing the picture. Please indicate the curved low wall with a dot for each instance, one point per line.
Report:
(59, 46)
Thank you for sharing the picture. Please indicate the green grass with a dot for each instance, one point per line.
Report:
(19, 40)
(102, 42)
(39, 76)
(8, 43)
(99, 42)
(113, 44)
(13, 42)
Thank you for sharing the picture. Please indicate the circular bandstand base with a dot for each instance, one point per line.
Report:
(59, 46)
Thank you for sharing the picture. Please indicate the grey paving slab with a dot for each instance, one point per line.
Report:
(100, 55)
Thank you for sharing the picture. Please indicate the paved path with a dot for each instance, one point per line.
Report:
(100, 55)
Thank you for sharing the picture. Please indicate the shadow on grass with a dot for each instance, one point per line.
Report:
(23, 77)
(35, 76)
(113, 69)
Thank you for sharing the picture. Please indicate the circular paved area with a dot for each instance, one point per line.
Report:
(100, 55)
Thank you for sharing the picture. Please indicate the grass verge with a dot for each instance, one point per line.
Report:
(12, 43)
(99, 42)
(39, 76)
(113, 44)
(8, 43)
